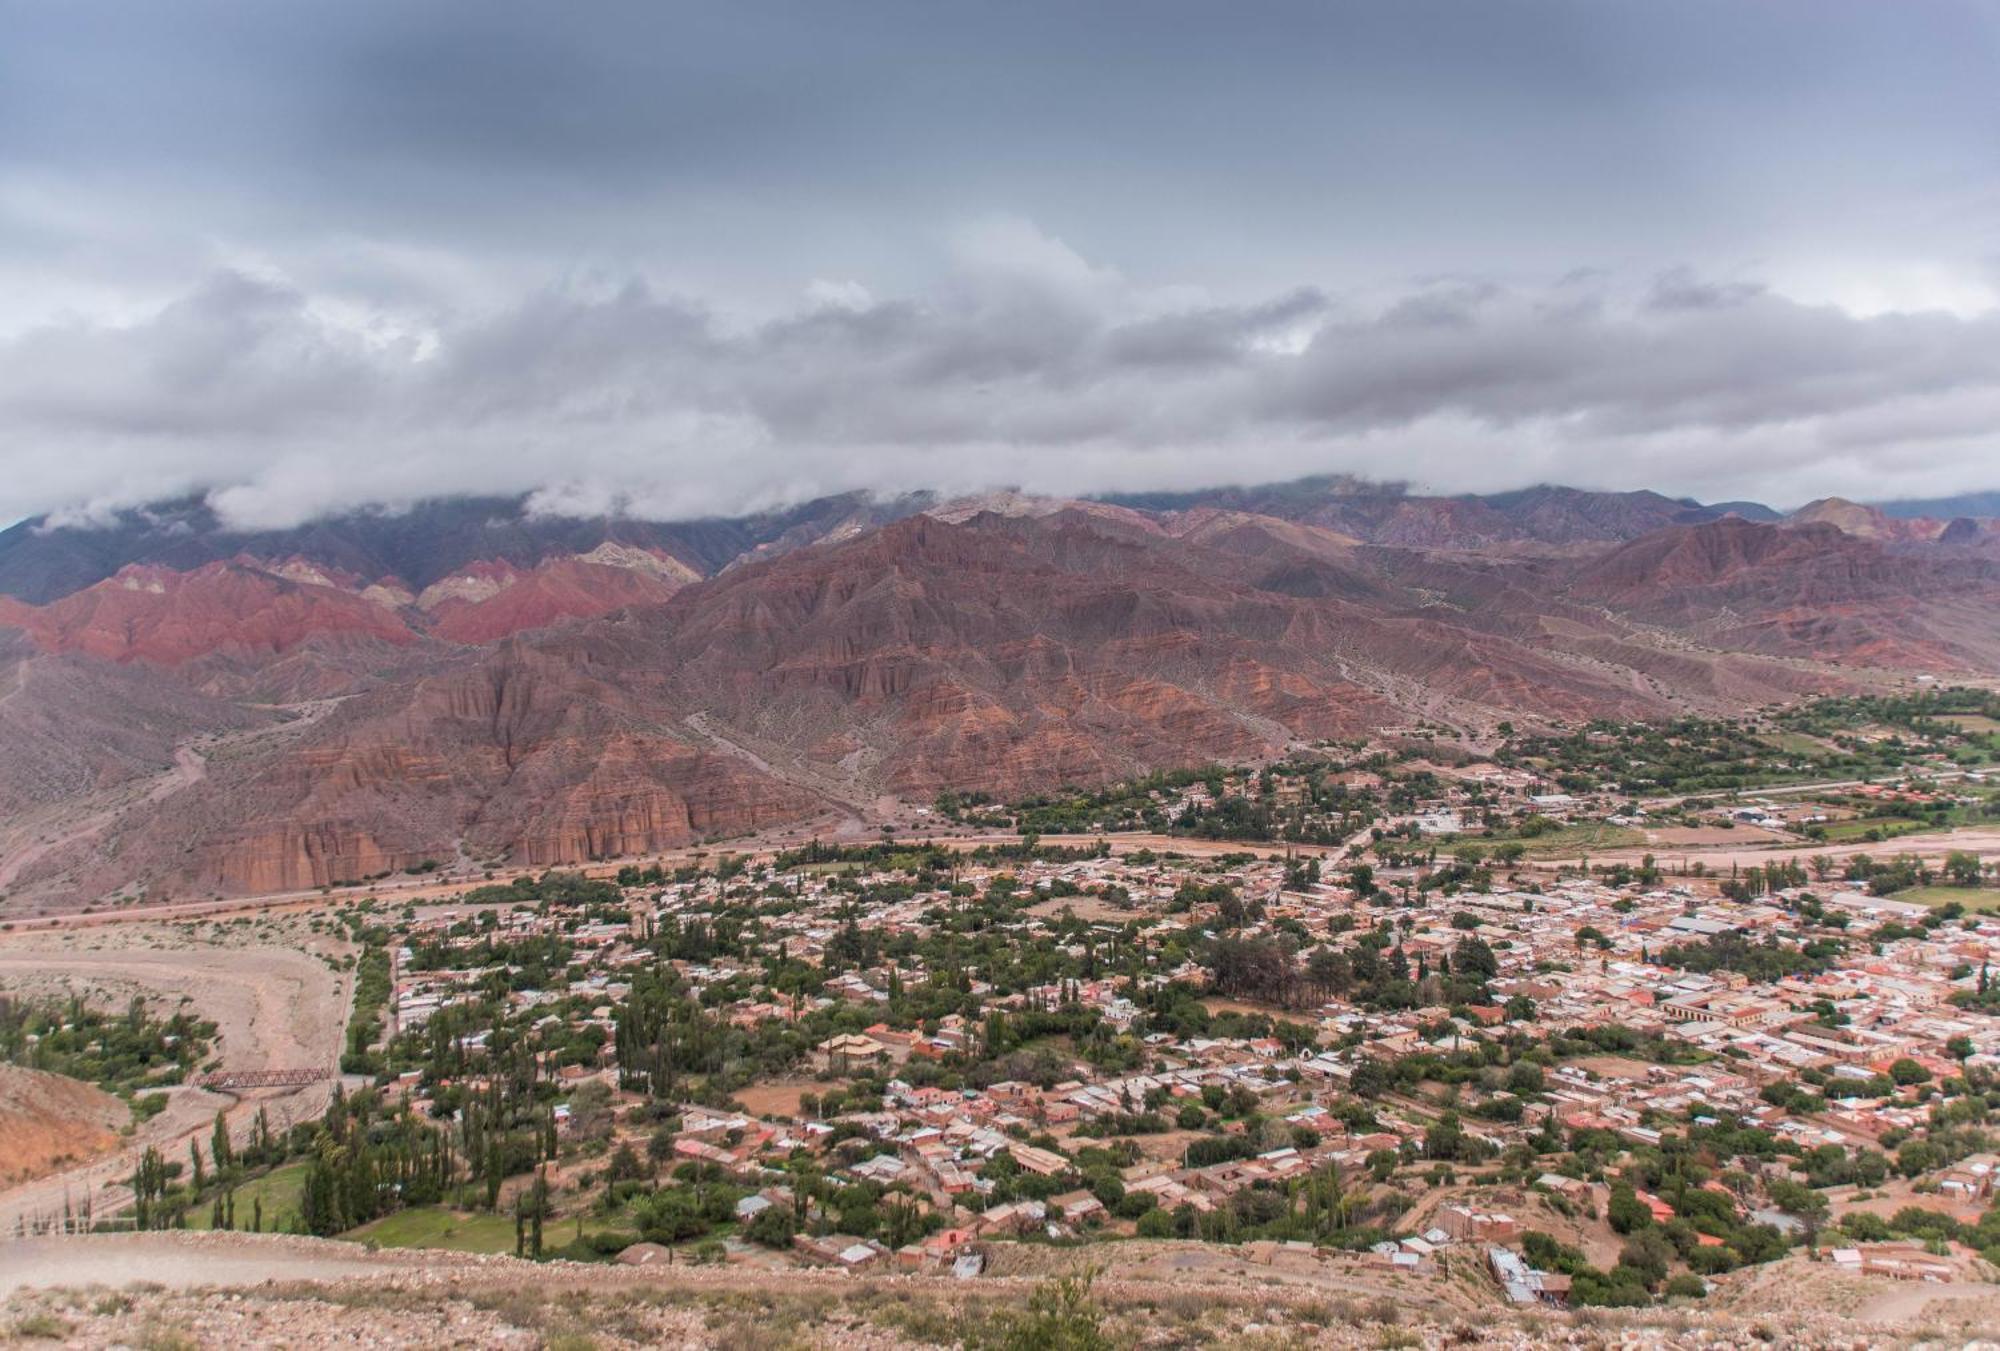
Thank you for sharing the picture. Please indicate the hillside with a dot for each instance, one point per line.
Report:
(48, 1122)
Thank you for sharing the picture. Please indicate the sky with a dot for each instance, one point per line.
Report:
(678, 260)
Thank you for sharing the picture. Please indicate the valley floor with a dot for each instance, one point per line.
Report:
(271, 988)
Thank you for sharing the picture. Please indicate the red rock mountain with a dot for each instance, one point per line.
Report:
(157, 615)
(558, 706)
(499, 599)
(1809, 590)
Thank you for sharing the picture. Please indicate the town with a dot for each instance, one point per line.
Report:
(1400, 1029)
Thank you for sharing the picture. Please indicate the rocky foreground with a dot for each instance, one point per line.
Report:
(188, 1290)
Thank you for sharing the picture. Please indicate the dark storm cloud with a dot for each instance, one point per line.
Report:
(700, 258)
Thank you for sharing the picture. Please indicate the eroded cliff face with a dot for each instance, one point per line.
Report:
(294, 858)
(638, 798)
(525, 756)
(643, 795)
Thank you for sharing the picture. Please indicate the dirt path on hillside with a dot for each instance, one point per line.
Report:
(29, 837)
(30, 840)
(314, 1291)
(1909, 1303)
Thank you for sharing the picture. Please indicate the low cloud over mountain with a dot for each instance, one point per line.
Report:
(1027, 366)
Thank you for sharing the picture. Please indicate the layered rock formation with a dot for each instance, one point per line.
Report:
(598, 689)
(1809, 590)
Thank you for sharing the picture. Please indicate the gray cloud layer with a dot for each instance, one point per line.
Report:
(312, 256)
(1028, 367)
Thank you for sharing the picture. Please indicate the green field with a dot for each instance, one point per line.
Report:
(1798, 743)
(1972, 898)
(279, 1190)
(1583, 837)
(1971, 722)
(461, 1231)
(1847, 832)
(437, 1227)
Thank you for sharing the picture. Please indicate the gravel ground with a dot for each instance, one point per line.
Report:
(176, 1290)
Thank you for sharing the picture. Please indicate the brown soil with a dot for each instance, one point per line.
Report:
(1223, 1004)
(779, 1097)
(1689, 837)
(49, 1122)
(1613, 1066)
(1088, 908)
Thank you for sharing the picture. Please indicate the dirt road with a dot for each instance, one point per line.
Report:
(184, 1261)
(1931, 846)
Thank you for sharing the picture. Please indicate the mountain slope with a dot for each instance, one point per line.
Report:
(1810, 591)
(606, 703)
(1004, 653)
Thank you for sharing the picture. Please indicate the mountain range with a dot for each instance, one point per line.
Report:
(193, 709)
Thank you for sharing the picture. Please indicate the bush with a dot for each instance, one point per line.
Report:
(1685, 1286)
(1061, 1316)
(773, 1228)
(1713, 1261)
(1135, 1205)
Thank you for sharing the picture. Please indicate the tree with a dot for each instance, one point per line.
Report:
(773, 1228)
(1808, 1205)
(625, 1166)
(1472, 957)
(1649, 1253)
(1625, 1211)
(1445, 1139)
(1917, 1157)
(1906, 1071)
